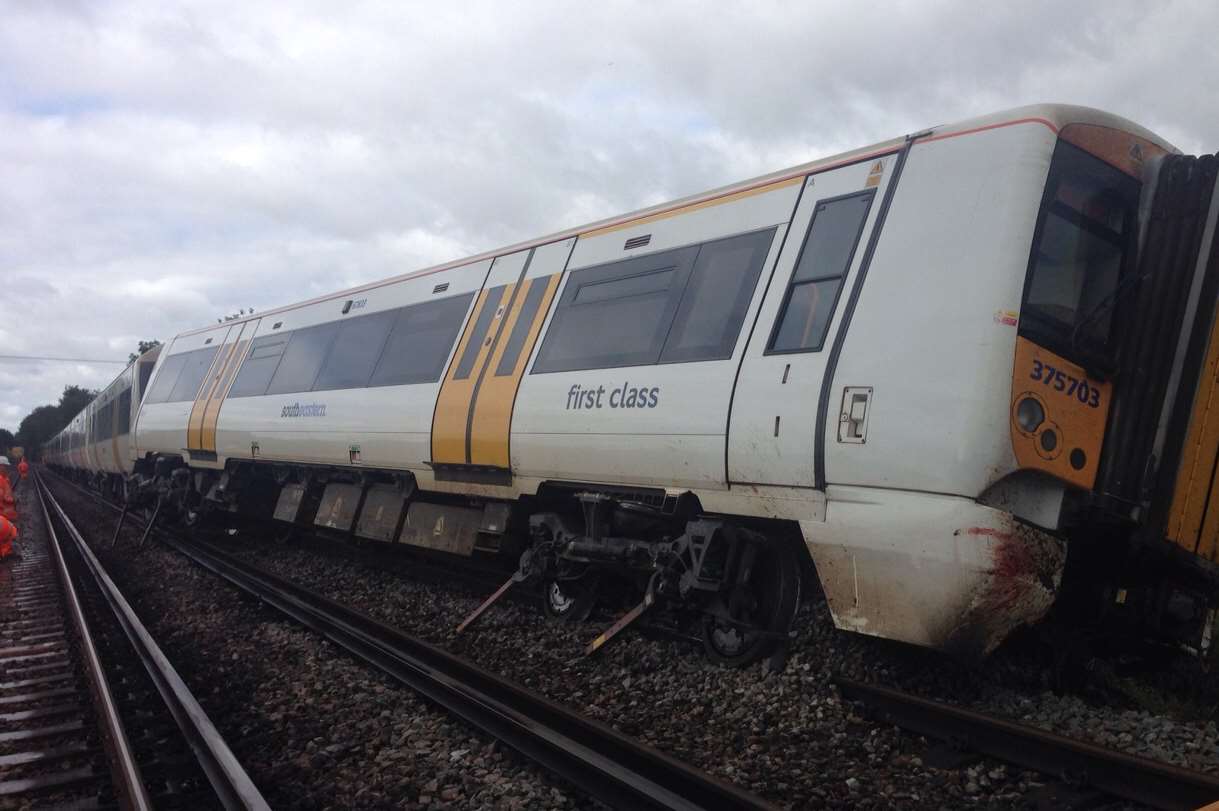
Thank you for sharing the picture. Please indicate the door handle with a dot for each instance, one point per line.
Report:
(853, 419)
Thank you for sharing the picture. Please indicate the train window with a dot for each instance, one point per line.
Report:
(420, 341)
(171, 367)
(230, 369)
(146, 368)
(124, 427)
(642, 284)
(355, 352)
(524, 323)
(479, 334)
(193, 372)
(716, 297)
(259, 365)
(302, 360)
(617, 314)
(1085, 232)
(825, 257)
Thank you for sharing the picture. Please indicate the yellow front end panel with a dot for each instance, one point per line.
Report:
(1058, 415)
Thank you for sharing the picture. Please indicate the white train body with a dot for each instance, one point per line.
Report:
(856, 381)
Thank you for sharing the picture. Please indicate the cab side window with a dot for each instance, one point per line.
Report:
(825, 257)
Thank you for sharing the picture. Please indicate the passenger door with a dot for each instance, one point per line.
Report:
(221, 380)
(474, 409)
(194, 426)
(772, 424)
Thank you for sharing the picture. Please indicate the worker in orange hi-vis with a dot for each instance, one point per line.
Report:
(23, 470)
(8, 505)
(8, 534)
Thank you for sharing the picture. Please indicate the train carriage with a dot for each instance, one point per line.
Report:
(918, 370)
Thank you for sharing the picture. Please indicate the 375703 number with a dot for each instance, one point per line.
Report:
(1060, 381)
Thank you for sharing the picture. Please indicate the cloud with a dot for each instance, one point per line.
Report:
(166, 164)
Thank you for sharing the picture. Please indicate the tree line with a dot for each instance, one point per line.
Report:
(45, 421)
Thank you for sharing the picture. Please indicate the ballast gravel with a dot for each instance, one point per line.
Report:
(788, 736)
(314, 728)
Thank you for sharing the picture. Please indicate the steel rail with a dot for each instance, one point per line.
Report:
(228, 778)
(610, 766)
(615, 768)
(1129, 777)
(129, 783)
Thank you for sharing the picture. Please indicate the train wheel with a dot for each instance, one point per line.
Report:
(757, 612)
(569, 600)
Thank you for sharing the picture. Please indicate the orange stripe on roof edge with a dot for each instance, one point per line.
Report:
(614, 223)
(996, 126)
(749, 191)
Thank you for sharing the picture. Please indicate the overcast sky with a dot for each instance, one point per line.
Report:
(163, 164)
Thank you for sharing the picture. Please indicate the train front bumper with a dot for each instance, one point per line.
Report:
(954, 574)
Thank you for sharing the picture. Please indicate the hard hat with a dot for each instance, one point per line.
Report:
(3, 460)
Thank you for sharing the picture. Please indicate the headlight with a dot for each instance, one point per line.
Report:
(1029, 414)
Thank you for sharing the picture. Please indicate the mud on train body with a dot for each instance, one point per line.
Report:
(955, 376)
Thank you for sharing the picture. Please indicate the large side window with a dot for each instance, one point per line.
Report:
(617, 314)
(715, 300)
(303, 359)
(420, 341)
(193, 372)
(356, 349)
(125, 412)
(259, 365)
(825, 257)
(102, 423)
(682, 305)
(146, 368)
(171, 367)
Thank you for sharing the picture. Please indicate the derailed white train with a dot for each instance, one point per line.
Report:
(921, 366)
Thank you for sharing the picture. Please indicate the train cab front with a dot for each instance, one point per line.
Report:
(1114, 392)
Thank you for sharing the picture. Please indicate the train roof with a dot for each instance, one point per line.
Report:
(1054, 116)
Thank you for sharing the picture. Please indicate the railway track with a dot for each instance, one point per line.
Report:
(1127, 777)
(1073, 762)
(614, 768)
(94, 716)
